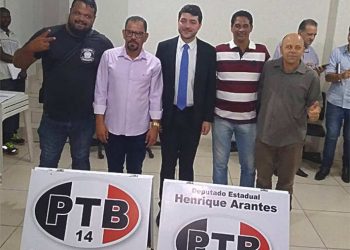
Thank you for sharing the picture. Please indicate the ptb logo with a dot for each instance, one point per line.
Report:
(73, 214)
(203, 234)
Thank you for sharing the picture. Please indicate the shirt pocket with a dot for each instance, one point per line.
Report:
(141, 74)
(140, 80)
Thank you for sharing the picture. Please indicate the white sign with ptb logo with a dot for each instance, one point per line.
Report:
(219, 217)
(69, 209)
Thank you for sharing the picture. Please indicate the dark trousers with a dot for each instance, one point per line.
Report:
(179, 141)
(121, 148)
(11, 124)
(286, 160)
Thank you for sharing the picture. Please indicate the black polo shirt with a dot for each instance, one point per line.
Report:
(69, 73)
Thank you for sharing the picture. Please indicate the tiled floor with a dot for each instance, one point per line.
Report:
(320, 218)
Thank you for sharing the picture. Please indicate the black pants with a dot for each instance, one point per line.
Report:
(179, 141)
(121, 148)
(11, 124)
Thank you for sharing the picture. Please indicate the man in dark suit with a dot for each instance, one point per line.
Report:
(189, 76)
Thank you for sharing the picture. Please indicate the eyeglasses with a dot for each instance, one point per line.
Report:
(130, 33)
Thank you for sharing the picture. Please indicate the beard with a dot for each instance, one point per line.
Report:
(78, 32)
(132, 46)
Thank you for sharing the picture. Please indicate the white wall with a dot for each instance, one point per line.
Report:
(272, 19)
(343, 23)
(28, 16)
(110, 19)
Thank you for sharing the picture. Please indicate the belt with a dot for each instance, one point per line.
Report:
(187, 109)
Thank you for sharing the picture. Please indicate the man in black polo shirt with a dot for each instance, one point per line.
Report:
(70, 56)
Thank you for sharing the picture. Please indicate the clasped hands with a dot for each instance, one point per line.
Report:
(345, 74)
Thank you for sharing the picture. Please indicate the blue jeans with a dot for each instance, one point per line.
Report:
(121, 147)
(53, 135)
(245, 138)
(335, 117)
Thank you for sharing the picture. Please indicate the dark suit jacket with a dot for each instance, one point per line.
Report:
(204, 89)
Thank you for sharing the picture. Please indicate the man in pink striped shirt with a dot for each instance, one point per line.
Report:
(127, 102)
(239, 64)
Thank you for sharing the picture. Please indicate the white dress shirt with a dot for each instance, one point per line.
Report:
(192, 56)
(9, 44)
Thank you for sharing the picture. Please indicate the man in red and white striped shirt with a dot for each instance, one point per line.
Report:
(239, 64)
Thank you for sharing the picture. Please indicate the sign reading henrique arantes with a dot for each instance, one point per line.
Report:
(219, 217)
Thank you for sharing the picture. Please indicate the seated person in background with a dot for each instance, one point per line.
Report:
(8, 45)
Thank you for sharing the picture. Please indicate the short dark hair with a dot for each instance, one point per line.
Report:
(306, 22)
(4, 10)
(192, 9)
(136, 19)
(90, 3)
(242, 13)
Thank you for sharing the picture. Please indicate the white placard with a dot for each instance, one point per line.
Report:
(70, 209)
(218, 217)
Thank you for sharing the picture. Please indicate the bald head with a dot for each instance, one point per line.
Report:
(292, 49)
(292, 37)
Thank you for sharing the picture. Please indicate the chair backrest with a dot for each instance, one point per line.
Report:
(323, 109)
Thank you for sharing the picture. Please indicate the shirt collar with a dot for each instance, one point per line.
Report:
(346, 49)
(191, 45)
(233, 45)
(141, 56)
(301, 68)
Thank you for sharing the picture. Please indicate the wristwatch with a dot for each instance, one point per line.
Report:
(155, 124)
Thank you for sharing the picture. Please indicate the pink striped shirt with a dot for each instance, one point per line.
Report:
(128, 92)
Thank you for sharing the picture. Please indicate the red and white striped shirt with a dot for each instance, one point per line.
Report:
(237, 81)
